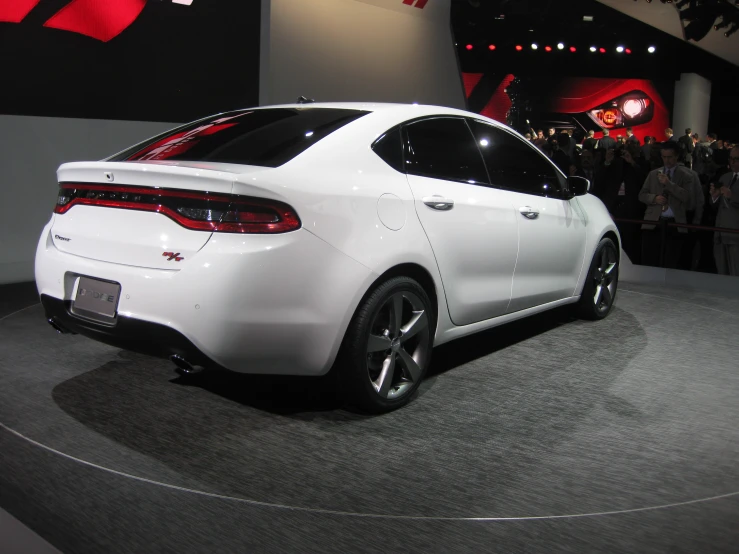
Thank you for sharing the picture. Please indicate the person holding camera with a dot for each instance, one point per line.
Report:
(725, 199)
(666, 193)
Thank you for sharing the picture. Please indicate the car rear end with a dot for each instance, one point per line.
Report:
(153, 252)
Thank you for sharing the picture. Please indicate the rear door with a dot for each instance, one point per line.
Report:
(471, 228)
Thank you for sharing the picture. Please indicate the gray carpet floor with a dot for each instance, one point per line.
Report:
(543, 418)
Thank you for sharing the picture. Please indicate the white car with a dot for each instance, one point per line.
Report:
(299, 238)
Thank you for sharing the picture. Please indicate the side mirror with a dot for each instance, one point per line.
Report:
(577, 186)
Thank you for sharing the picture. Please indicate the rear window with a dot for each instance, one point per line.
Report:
(269, 137)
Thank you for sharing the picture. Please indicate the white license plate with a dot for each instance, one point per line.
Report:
(96, 299)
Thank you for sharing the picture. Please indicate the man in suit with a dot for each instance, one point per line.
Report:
(687, 147)
(666, 193)
(725, 199)
(646, 150)
(606, 142)
(590, 142)
(630, 137)
(619, 183)
(669, 135)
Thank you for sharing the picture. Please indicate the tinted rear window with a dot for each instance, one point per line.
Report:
(269, 137)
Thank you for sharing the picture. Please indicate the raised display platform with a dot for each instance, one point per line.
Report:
(548, 434)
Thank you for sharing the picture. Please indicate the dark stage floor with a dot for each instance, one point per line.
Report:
(546, 435)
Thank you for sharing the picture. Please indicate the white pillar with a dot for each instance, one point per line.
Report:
(692, 104)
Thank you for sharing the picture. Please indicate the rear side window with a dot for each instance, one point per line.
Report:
(269, 137)
(390, 148)
(444, 148)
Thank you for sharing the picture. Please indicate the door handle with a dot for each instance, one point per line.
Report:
(437, 202)
(528, 212)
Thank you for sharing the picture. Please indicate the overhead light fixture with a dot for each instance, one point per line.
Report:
(651, 49)
(519, 47)
(548, 48)
(573, 49)
(587, 18)
(619, 49)
(593, 49)
(491, 47)
(560, 46)
(534, 46)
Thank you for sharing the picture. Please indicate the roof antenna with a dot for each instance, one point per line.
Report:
(304, 100)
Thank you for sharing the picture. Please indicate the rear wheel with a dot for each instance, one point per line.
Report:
(599, 291)
(387, 348)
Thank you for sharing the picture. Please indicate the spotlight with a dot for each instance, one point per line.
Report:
(491, 47)
(573, 49)
(548, 48)
(651, 49)
(519, 47)
(560, 46)
(469, 47)
(619, 49)
(628, 50)
(602, 50)
(534, 46)
(593, 49)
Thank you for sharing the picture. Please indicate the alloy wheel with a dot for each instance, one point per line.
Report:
(605, 277)
(397, 346)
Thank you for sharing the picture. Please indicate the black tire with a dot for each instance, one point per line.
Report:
(601, 280)
(363, 366)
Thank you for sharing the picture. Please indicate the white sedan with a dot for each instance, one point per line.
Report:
(299, 238)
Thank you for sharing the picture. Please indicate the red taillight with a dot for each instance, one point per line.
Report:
(199, 211)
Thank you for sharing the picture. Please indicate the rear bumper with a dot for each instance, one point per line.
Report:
(128, 333)
(269, 304)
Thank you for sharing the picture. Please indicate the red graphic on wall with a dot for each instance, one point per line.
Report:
(14, 11)
(417, 3)
(499, 103)
(100, 19)
(470, 81)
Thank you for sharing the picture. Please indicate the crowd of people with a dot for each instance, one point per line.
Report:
(658, 181)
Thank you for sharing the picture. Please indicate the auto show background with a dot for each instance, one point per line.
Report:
(562, 102)
(83, 79)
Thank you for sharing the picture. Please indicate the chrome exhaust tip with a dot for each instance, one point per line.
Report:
(183, 367)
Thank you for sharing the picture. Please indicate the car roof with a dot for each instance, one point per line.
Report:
(385, 115)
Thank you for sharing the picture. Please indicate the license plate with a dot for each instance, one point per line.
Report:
(96, 299)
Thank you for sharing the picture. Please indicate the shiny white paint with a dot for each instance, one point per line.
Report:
(282, 303)
(475, 243)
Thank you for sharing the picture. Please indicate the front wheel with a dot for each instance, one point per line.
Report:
(599, 291)
(387, 347)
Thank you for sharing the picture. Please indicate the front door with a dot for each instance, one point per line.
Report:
(551, 229)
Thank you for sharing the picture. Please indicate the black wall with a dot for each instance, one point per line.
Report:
(173, 63)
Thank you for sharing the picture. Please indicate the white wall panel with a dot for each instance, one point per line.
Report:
(359, 50)
(32, 149)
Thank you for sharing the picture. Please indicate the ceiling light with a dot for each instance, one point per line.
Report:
(619, 49)
(534, 46)
(593, 49)
(651, 49)
(560, 46)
